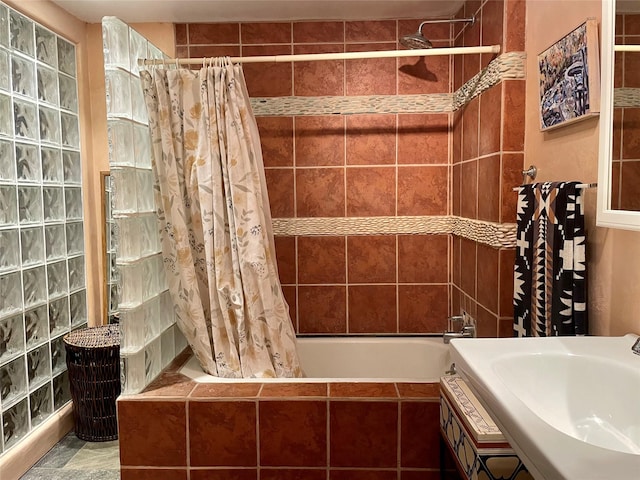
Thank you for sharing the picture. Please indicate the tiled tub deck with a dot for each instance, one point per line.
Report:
(180, 429)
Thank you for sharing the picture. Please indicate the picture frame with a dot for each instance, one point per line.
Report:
(569, 74)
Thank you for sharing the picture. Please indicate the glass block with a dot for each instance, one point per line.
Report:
(181, 341)
(113, 237)
(4, 70)
(53, 203)
(4, 26)
(76, 273)
(51, 161)
(40, 405)
(58, 356)
(114, 274)
(129, 247)
(73, 203)
(152, 324)
(147, 281)
(137, 50)
(57, 279)
(167, 347)
(68, 93)
(49, 125)
(142, 146)
(6, 125)
(54, 242)
(121, 143)
(114, 298)
(46, 50)
(144, 190)
(9, 251)
(75, 238)
(61, 392)
(7, 162)
(123, 182)
(11, 338)
(132, 372)
(32, 246)
(72, 167)
(131, 287)
(27, 163)
(66, 57)
(132, 330)
(78, 307)
(58, 317)
(155, 52)
(15, 423)
(118, 90)
(167, 309)
(47, 85)
(8, 205)
(148, 234)
(36, 326)
(13, 378)
(38, 366)
(152, 360)
(21, 33)
(25, 120)
(70, 130)
(30, 204)
(161, 276)
(115, 41)
(23, 76)
(138, 106)
(10, 294)
(34, 286)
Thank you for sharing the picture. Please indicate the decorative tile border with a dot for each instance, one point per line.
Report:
(507, 66)
(497, 235)
(477, 463)
(476, 417)
(626, 97)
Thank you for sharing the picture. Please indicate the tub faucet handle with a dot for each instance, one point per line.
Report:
(455, 323)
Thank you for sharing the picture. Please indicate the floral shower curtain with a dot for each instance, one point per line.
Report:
(215, 222)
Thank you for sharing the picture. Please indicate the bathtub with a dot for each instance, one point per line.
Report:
(368, 408)
(349, 359)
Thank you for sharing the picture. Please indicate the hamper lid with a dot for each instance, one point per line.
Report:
(94, 337)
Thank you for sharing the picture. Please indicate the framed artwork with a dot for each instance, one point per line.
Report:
(570, 78)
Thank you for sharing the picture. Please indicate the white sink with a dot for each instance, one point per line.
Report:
(569, 406)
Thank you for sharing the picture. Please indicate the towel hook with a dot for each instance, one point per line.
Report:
(531, 172)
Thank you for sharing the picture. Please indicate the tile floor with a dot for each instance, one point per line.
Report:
(72, 458)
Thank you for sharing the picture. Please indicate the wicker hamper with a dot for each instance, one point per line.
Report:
(93, 361)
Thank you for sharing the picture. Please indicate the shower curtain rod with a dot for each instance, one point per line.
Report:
(425, 52)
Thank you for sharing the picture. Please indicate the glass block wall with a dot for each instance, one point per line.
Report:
(150, 339)
(111, 270)
(42, 264)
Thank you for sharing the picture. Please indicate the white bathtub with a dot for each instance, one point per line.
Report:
(349, 359)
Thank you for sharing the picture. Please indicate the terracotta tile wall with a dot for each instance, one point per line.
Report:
(344, 166)
(280, 431)
(626, 122)
(488, 156)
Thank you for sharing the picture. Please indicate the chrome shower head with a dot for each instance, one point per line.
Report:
(417, 41)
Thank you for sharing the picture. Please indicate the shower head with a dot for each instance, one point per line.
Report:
(416, 41)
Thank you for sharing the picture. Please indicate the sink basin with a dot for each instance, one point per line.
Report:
(569, 406)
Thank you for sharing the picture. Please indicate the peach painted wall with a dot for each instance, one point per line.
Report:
(343, 166)
(488, 155)
(572, 153)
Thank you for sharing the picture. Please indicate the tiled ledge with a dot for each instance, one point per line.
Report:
(171, 384)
